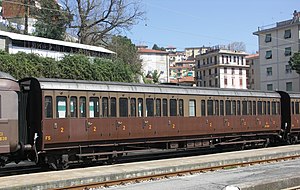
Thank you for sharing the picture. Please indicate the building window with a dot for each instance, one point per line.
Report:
(288, 69)
(225, 70)
(240, 71)
(241, 82)
(269, 71)
(268, 54)
(268, 38)
(225, 81)
(216, 82)
(287, 34)
(232, 71)
(270, 87)
(288, 51)
(289, 86)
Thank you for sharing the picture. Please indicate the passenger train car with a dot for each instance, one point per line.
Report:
(60, 122)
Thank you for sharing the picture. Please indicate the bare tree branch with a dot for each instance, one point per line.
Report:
(94, 20)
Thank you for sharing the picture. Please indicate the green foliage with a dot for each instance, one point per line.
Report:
(78, 67)
(51, 24)
(155, 47)
(126, 52)
(295, 62)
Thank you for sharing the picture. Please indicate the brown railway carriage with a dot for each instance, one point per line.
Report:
(78, 120)
(295, 117)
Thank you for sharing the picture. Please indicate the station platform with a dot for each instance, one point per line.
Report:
(60, 179)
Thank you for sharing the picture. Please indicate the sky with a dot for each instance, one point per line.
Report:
(196, 23)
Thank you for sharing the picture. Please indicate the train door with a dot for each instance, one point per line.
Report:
(55, 122)
(78, 116)
(102, 126)
(173, 122)
(93, 124)
(122, 121)
(137, 122)
(150, 122)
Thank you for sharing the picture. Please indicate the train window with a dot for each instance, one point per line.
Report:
(244, 108)
(132, 107)
(94, 110)
(221, 107)
(173, 107)
(249, 108)
(192, 108)
(297, 107)
(268, 108)
(73, 107)
(165, 107)
(254, 107)
(104, 107)
(61, 107)
(228, 107)
(259, 107)
(113, 107)
(123, 107)
(181, 107)
(82, 107)
(210, 107)
(264, 107)
(238, 110)
(202, 107)
(140, 107)
(273, 108)
(48, 107)
(158, 107)
(293, 107)
(216, 107)
(149, 107)
(233, 107)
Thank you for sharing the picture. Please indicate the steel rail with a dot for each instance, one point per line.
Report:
(173, 174)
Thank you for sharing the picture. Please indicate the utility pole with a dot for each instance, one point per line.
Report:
(26, 16)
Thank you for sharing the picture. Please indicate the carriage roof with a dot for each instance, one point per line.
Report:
(79, 85)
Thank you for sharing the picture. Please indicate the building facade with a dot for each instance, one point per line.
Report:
(44, 47)
(253, 74)
(182, 71)
(222, 68)
(155, 60)
(277, 43)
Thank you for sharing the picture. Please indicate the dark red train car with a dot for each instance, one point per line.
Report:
(72, 121)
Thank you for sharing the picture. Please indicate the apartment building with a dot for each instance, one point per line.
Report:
(222, 68)
(192, 52)
(154, 60)
(277, 43)
(253, 73)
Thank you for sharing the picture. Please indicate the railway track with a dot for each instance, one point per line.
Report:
(177, 173)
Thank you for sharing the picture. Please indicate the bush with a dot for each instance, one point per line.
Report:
(78, 67)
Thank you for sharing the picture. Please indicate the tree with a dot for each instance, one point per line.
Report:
(126, 52)
(51, 20)
(94, 21)
(237, 46)
(295, 62)
(155, 47)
